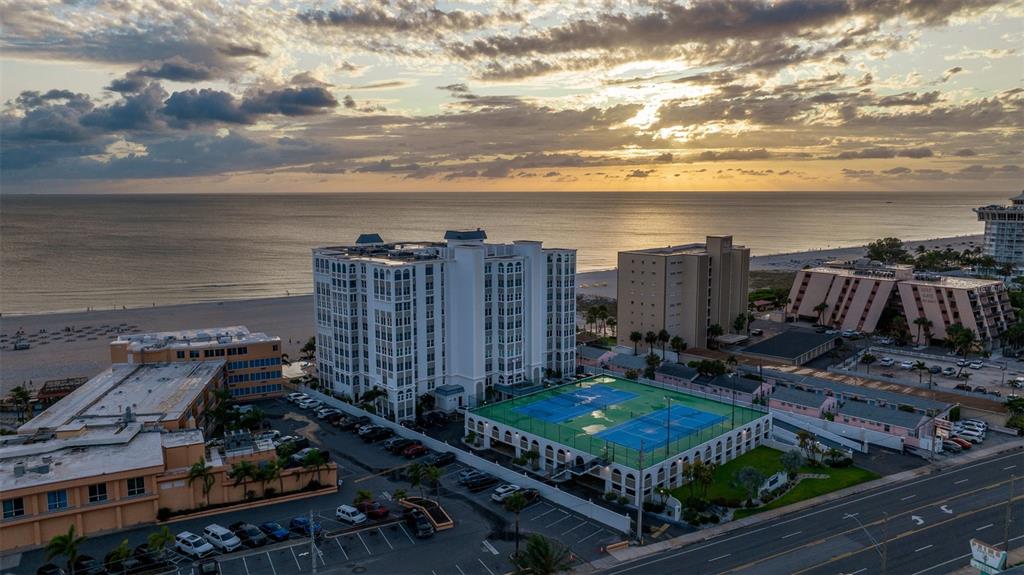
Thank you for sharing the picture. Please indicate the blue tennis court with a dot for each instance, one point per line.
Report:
(650, 429)
(566, 406)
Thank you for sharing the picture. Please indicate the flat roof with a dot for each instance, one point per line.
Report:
(798, 396)
(194, 338)
(153, 392)
(92, 454)
(628, 361)
(881, 414)
(790, 344)
(858, 391)
(676, 370)
(955, 282)
(591, 352)
(731, 381)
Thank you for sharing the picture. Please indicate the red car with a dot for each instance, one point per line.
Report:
(373, 510)
(961, 442)
(414, 451)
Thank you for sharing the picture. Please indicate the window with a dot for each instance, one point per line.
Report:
(193, 353)
(14, 508)
(136, 486)
(57, 500)
(181, 355)
(98, 493)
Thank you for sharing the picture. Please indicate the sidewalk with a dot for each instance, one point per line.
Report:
(633, 552)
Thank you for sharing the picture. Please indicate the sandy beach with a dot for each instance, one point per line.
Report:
(84, 352)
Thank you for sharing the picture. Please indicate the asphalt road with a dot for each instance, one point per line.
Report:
(921, 526)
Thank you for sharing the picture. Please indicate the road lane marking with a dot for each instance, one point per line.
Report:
(719, 557)
(923, 548)
(364, 543)
(485, 565)
(908, 497)
(271, 561)
(582, 523)
(589, 536)
(385, 539)
(340, 546)
(407, 536)
(861, 570)
(960, 558)
(567, 516)
(983, 527)
(637, 564)
(960, 481)
(850, 515)
(792, 534)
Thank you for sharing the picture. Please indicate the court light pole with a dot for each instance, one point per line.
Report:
(640, 497)
(668, 424)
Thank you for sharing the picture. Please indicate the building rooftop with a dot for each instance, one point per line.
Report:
(839, 388)
(152, 392)
(798, 396)
(955, 282)
(880, 414)
(627, 361)
(182, 437)
(477, 234)
(731, 381)
(369, 239)
(192, 338)
(790, 344)
(591, 352)
(898, 272)
(677, 370)
(91, 454)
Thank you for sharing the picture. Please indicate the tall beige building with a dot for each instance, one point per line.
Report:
(683, 289)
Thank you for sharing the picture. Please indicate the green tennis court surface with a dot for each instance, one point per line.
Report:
(613, 418)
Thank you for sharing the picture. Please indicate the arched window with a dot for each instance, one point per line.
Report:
(524, 443)
(508, 437)
(494, 432)
(617, 479)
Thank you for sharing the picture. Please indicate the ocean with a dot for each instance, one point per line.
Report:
(67, 253)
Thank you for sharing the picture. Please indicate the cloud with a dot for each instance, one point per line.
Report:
(385, 85)
(303, 101)
(348, 102)
(950, 73)
(640, 173)
(203, 106)
(176, 69)
(882, 152)
(965, 153)
(910, 99)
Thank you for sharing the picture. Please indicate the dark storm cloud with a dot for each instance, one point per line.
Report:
(127, 85)
(136, 111)
(303, 101)
(240, 51)
(176, 70)
(204, 106)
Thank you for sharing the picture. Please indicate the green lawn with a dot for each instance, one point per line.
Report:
(766, 460)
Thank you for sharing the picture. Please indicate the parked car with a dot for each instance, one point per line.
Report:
(972, 435)
(976, 365)
(414, 451)
(935, 369)
(311, 404)
(373, 509)
(297, 397)
(398, 444)
(757, 332)
(301, 525)
(886, 361)
(248, 534)
(349, 514)
(980, 389)
(275, 531)
(974, 424)
(530, 494)
(482, 482)
(411, 424)
(377, 434)
(962, 386)
(333, 418)
(949, 371)
(325, 411)
(352, 423)
(190, 544)
(221, 538)
(439, 459)
(961, 363)
(953, 446)
(363, 429)
(503, 492)
(906, 365)
(963, 443)
(300, 455)
(467, 474)
(87, 565)
(420, 524)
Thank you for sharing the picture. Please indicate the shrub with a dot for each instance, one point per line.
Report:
(906, 408)
(954, 414)
(843, 462)
(623, 499)
(163, 514)
(689, 515)
(269, 492)
(714, 519)
(696, 503)
(1016, 422)
(611, 496)
(654, 507)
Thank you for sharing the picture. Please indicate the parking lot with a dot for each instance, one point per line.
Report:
(991, 376)
(479, 543)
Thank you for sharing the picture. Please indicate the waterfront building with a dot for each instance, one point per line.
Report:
(462, 319)
(1004, 231)
(683, 289)
(853, 295)
(117, 450)
(252, 360)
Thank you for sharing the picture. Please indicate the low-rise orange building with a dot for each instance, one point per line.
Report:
(252, 360)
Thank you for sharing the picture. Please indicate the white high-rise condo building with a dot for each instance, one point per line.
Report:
(452, 318)
(1004, 231)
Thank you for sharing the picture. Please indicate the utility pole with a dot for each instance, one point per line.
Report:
(1009, 517)
(312, 540)
(640, 498)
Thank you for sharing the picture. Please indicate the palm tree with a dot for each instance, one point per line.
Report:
(820, 310)
(750, 319)
(22, 400)
(739, 323)
(543, 557)
(611, 322)
(636, 337)
(590, 319)
(678, 345)
(399, 494)
(650, 338)
(315, 460)
(416, 474)
(276, 470)
(158, 540)
(199, 470)
(962, 340)
(112, 561)
(433, 476)
(602, 315)
(515, 504)
(867, 359)
(66, 544)
(663, 338)
(363, 495)
(242, 472)
(706, 476)
(920, 367)
(920, 323)
(714, 330)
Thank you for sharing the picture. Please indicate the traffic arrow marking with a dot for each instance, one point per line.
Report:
(946, 509)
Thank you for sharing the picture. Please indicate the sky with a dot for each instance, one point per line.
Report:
(135, 96)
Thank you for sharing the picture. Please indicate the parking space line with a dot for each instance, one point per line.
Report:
(485, 566)
(460, 569)
(297, 566)
(364, 543)
(271, 561)
(582, 523)
(567, 516)
(379, 530)
(959, 482)
(552, 510)
(407, 536)
(589, 536)
(340, 546)
(246, 565)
